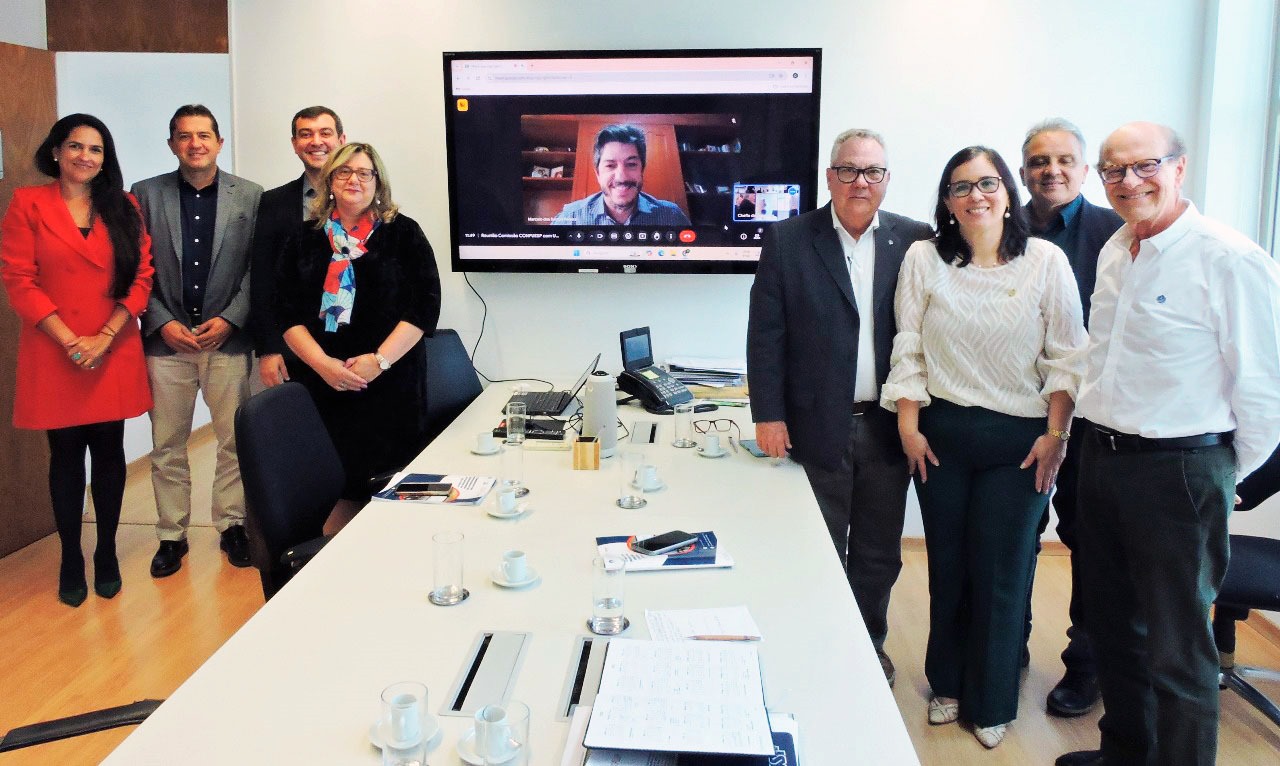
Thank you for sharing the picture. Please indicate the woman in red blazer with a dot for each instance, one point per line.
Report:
(76, 260)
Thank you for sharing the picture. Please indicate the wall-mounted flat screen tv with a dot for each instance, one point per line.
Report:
(673, 161)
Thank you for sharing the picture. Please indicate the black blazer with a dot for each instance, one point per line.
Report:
(1097, 224)
(802, 333)
(278, 220)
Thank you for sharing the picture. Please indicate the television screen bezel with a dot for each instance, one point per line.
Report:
(671, 266)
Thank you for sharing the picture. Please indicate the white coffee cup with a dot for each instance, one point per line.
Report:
(485, 442)
(493, 733)
(515, 566)
(507, 500)
(711, 444)
(647, 476)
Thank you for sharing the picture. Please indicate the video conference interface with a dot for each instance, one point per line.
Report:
(718, 168)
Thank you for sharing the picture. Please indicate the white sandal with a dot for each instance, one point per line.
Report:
(991, 736)
(943, 710)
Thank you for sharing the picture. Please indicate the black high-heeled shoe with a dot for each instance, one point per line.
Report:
(72, 589)
(106, 576)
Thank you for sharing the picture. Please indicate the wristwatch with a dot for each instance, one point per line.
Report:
(383, 364)
(1063, 435)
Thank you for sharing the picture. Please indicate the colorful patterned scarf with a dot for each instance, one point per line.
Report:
(340, 281)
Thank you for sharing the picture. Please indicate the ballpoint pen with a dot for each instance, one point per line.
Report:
(724, 638)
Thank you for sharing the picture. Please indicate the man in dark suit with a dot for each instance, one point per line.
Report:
(315, 133)
(1054, 169)
(194, 330)
(818, 343)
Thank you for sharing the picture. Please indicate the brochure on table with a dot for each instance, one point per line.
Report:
(705, 552)
(467, 490)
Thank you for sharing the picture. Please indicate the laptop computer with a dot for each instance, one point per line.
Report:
(544, 403)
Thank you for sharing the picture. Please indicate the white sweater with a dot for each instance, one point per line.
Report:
(1001, 338)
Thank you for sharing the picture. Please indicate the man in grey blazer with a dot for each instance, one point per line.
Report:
(195, 328)
(819, 337)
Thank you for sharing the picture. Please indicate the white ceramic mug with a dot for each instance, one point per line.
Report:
(507, 500)
(485, 442)
(515, 566)
(493, 733)
(711, 444)
(647, 476)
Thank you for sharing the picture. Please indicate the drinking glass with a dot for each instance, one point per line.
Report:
(630, 496)
(607, 574)
(447, 589)
(684, 426)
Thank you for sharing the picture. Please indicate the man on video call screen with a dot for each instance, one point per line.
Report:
(619, 161)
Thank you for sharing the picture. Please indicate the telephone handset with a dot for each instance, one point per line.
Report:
(656, 389)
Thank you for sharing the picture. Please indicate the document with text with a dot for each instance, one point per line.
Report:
(692, 697)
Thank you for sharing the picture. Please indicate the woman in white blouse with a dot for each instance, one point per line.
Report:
(985, 368)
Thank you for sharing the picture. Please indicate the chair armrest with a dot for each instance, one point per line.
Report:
(74, 726)
(301, 553)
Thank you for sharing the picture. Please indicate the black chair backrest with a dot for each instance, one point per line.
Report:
(452, 383)
(291, 473)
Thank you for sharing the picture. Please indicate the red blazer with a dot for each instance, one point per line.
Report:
(48, 266)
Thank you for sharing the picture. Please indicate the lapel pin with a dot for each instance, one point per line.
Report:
(1160, 299)
(1012, 292)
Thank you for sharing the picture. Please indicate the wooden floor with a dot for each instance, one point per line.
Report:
(57, 661)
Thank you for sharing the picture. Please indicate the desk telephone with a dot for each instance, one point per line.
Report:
(656, 389)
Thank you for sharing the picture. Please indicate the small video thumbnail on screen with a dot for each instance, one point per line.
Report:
(645, 169)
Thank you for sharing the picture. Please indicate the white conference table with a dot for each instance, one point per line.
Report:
(300, 681)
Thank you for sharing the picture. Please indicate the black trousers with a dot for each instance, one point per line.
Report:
(1153, 539)
(980, 514)
(1078, 656)
(863, 505)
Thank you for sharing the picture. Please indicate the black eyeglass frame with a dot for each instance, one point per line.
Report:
(953, 189)
(853, 172)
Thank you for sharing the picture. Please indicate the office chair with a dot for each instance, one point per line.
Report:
(1252, 582)
(451, 384)
(292, 477)
(74, 726)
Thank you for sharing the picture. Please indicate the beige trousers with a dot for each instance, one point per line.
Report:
(224, 381)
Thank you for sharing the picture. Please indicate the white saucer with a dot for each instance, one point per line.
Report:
(493, 451)
(500, 579)
(704, 453)
(496, 511)
(467, 750)
(657, 487)
(431, 731)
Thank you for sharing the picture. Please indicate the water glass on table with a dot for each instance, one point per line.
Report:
(607, 576)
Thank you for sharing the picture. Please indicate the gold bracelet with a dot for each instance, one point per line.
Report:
(107, 331)
(1063, 435)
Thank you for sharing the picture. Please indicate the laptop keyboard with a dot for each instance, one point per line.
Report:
(543, 402)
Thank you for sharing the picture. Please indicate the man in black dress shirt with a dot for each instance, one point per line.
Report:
(1054, 169)
(201, 223)
(315, 133)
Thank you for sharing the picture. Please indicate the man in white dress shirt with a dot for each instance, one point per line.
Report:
(1182, 399)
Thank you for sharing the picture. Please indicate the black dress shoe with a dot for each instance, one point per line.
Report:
(236, 543)
(1074, 695)
(1081, 758)
(169, 558)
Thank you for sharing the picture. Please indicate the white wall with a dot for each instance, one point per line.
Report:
(932, 76)
(24, 23)
(135, 94)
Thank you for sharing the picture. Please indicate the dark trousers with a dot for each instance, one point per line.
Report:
(863, 505)
(1078, 656)
(67, 446)
(1153, 539)
(980, 514)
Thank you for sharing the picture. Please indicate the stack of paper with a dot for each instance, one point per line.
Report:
(707, 371)
(705, 552)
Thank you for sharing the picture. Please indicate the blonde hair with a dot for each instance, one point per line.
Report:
(383, 205)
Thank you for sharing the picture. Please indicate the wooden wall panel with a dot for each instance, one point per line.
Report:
(27, 109)
(137, 26)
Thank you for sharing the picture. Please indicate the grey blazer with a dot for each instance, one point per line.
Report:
(802, 331)
(227, 294)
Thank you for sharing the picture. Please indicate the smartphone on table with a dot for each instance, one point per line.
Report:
(664, 543)
(421, 489)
